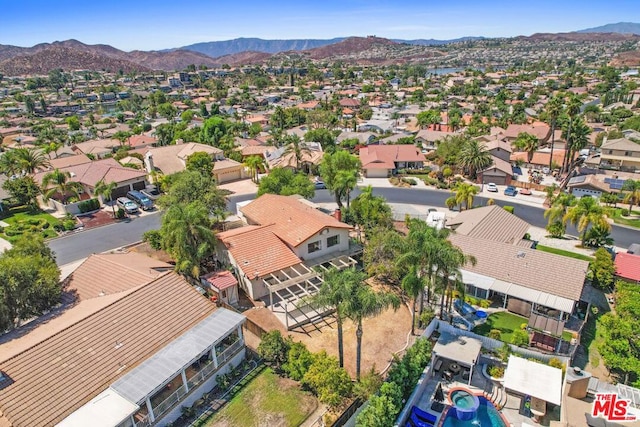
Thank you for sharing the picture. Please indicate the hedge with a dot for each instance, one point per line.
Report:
(89, 205)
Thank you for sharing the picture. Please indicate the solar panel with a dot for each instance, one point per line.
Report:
(608, 180)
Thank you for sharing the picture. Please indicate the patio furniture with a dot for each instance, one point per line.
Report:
(538, 408)
(447, 376)
(465, 374)
(438, 365)
(454, 368)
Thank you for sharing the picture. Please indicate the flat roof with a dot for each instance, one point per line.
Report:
(144, 379)
(535, 379)
(465, 350)
(105, 410)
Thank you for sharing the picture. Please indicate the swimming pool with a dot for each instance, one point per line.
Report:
(486, 416)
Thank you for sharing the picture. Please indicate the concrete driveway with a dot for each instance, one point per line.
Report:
(244, 186)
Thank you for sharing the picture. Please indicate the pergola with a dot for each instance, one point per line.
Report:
(461, 349)
(300, 282)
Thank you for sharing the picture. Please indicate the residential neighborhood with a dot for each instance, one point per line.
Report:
(303, 241)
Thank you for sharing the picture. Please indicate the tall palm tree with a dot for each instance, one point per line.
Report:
(9, 163)
(559, 207)
(578, 133)
(527, 142)
(362, 302)
(31, 159)
(632, 193)
(297, 148)
(345, 182)
(573, 109)
(255, 164)
(553, 109)
(413, 285)
(59, 182)
(106, 190)
(474, 157)
(585, 213)
(451, 260)
(332, 294)
(464, 193)
(187, 236)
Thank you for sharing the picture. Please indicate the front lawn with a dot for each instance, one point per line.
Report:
(22, 220)
(267, 400)
(564, 253)
(618, 218)
(504, 321)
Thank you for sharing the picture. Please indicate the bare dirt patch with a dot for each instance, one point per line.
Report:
(96, 219)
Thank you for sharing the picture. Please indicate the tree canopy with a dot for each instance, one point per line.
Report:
(285, 182)
(339, 170)
(189, 186)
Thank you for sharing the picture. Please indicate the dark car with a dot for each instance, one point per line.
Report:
(510, 191)
(320, 185)
(151, 192)
(141, 200)
(127, 204)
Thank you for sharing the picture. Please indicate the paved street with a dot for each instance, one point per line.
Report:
(80, 245)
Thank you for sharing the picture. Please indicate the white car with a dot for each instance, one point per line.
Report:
(492, 187)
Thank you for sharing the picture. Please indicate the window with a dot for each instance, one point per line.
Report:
(224, 294)
(314, 247)
(333, 240)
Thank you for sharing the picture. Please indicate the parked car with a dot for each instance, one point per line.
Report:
(510, 191)
(127, 204)
(432, 210)
(492, 187)
(141, 200)
(320, 185)
(151, 192)
(525, 191)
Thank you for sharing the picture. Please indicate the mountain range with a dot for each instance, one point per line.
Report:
(73, 55)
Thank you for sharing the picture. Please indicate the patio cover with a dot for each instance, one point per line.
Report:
(534, 379)
(106, 409)
(464, 350)
(546, 324)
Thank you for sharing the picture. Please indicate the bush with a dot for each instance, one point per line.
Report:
(523, 326)
(520, 338)
(120, 213)
(68, 224)
(495, 334)
(409, 181)
(496, 371)
(556, 229)
(485, 303)
(154, 238)
(89, 205)
(509, 209)
(557, 363)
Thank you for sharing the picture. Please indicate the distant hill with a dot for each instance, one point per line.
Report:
(75, 55)
(228, 47)
(620, 27)
(436, 42)
(579, 37)
(629, 59)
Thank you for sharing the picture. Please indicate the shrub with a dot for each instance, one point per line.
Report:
(491, 202)
(496, 371)
(68, 224)
(495, 334)
(89, 205)
(485, 303)
(523, 326)
(557, 363)
(520, 338)
(120, 213)
(509, 209)
(409, 181)
(154, 238)
(527, 236)
(556, 229)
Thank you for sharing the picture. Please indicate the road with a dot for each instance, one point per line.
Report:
(83, 244)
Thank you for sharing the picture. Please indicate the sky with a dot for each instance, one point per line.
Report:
(161, 24)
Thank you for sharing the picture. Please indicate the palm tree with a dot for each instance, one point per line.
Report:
(451, 260)
(255, 164)
(554, 109)
(297, 148)
(51, 147)
(464, 193)
(413, 285)
(9, 163)
(585, 213)
(187, 236)
(573, 109)
(332, 294)
(527, 142)
(30, 159)
(59, 182)
(578, 133)
(474, 157)
(632, 193)
(345, 182)
(559, 207)
(361, 302)
(106, 190)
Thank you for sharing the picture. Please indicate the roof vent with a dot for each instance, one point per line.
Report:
(521, 254)
(118, 345)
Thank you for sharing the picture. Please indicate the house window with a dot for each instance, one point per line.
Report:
(314, 247)
(610, 152)
(627, 153)
(333, 240)
(224, 294)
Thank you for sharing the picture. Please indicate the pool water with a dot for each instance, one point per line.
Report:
(462, 399)
(486, 416)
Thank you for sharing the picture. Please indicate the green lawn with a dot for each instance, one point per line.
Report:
(616, 214)
(564, 253)
(504, 321)
(21, 216)
(267, 397)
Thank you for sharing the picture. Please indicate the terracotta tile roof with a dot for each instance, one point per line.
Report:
(55, 377)
(97, 146)
(540, 158)
(255, 150)
(491, 223)
(221, 279)
(67, 161)
(136, 141)
(106, 274)
(628, 266)
(533, 269)
(90, 173)
(220, 165)
(270, 255)
(501, 165)
(171, 158)
(349, 102)
(293, 221)
(385, 156)
(539, 129)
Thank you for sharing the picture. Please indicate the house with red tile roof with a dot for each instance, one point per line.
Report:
(277, 256)
(628, 267)
(380, 161)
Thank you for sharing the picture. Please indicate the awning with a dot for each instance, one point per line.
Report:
(464, 350)
(106, 409)
(477, 280)
(534, 379)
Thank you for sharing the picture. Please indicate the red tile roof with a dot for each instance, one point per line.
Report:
(384, 156)
(628, 266)
(221, 279)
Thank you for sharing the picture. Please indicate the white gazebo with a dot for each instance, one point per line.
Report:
(460, 349)
(541, 382)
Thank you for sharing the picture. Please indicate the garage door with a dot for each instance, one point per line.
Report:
(229, 176)
(498, 180)
(120, 192)
(377, 173)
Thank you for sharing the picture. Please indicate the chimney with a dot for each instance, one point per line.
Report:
(337, 214)
(179, 141)
(148, 162)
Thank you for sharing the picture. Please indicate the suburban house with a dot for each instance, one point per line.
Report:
(540, 130)
(173, 158)
(500, 171)
(628, 267)
(131, 351)
(364, 138)
(430, 139)
(492, 223)
(276, 257)
(98, 148)
(381, 161)
(90, 173)
(620, 154)
(282, 158)
(587, 185)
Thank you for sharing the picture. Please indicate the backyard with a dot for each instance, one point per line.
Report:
(22, 219)
(267, 400)
(503, 321)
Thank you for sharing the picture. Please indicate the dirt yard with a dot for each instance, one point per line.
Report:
(96, 219)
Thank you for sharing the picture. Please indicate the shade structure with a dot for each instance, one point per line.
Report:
(534, 379)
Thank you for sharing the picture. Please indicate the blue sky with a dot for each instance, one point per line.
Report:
(160, 24)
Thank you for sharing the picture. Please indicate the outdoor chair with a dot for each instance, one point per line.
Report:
(447, 376)
(438, 365)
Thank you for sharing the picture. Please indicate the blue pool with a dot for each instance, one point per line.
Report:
(486, 416)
